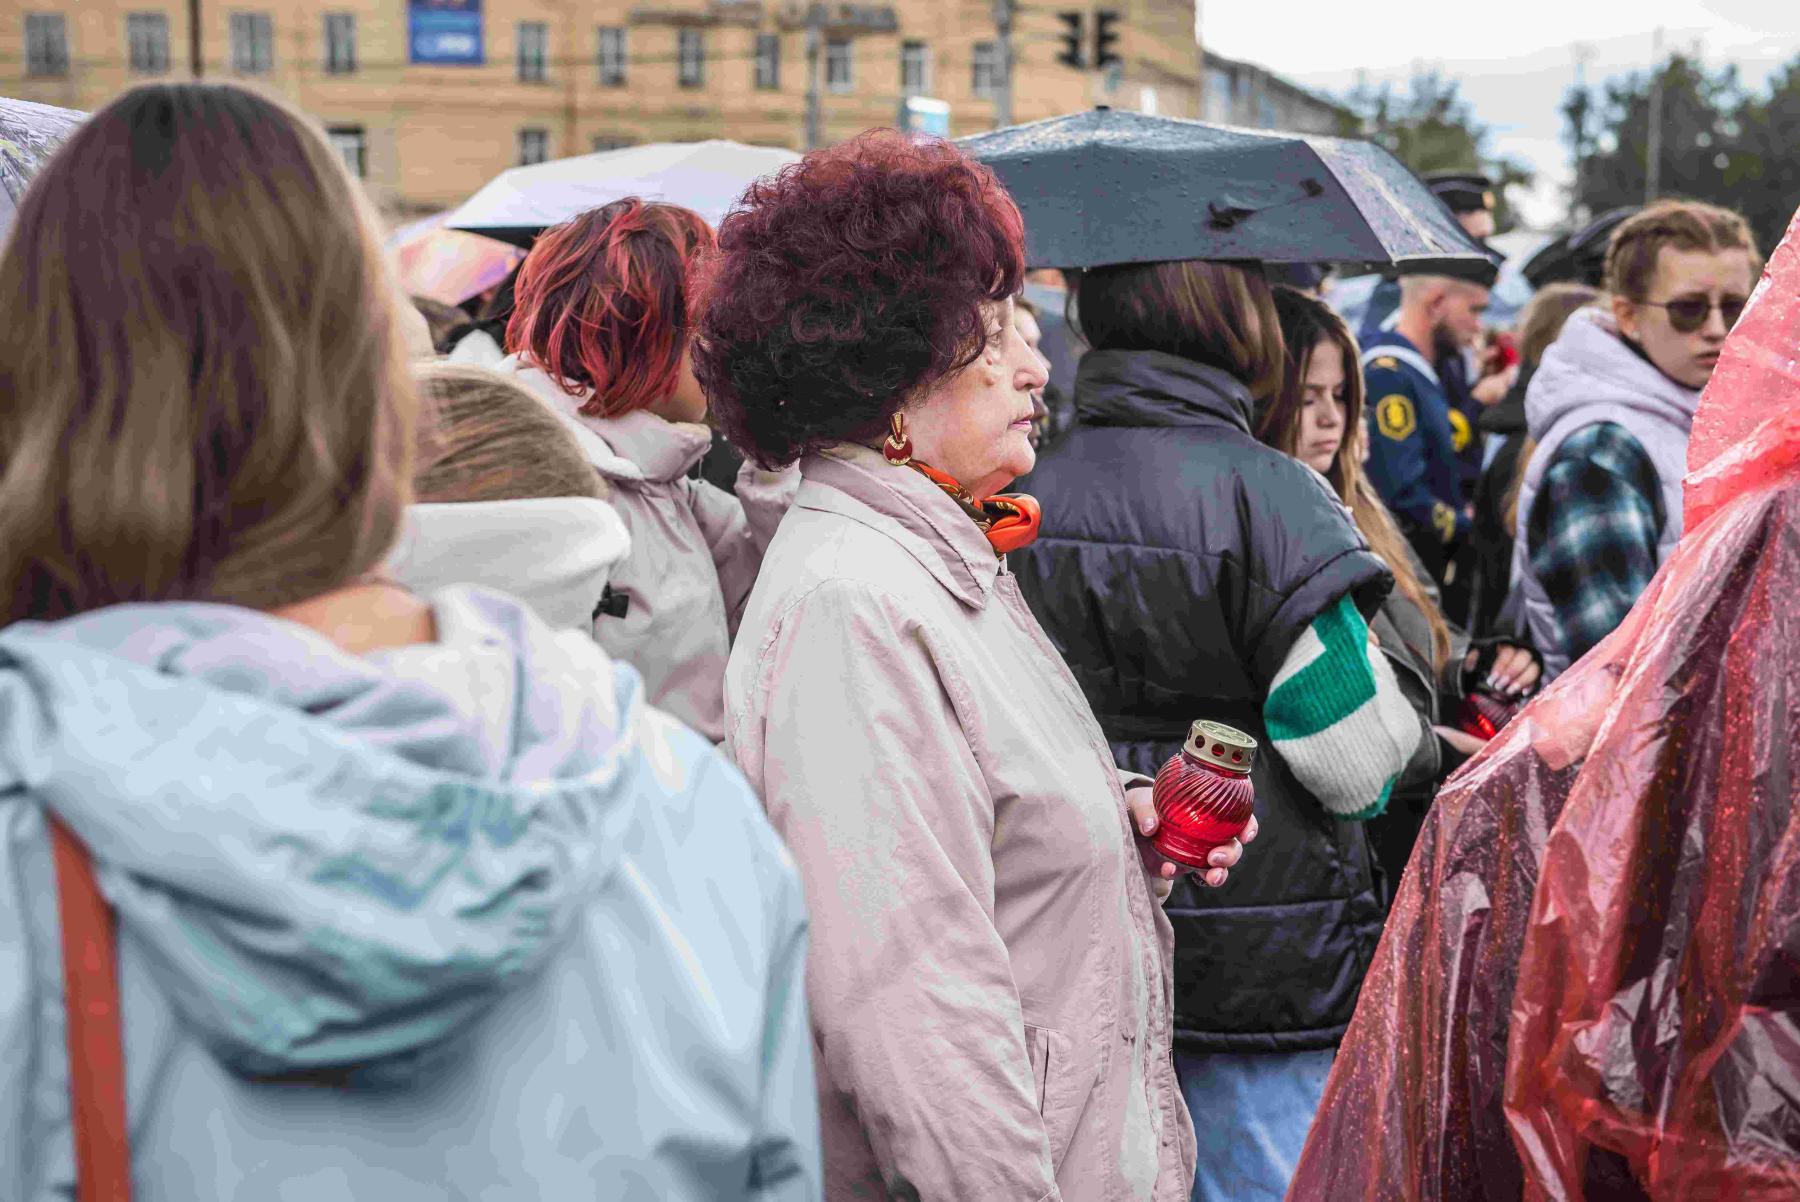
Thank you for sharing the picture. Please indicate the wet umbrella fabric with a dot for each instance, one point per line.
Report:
(29, 135)
(1107, 187)
(449, 265)
(707, 177)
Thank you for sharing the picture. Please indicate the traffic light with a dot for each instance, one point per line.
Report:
(1072, 50)
(1106, 40)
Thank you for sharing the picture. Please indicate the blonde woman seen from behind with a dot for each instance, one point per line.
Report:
(506, 500)
(410, 897)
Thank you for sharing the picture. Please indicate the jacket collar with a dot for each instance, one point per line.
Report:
(635, 446)
(1393, 344)
(661, 450)
(859, 484)
(1151, 388)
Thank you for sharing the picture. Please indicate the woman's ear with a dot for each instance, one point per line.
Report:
(1626, 314)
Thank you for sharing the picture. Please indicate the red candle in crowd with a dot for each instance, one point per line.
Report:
(1203, 794)
(1484, 716)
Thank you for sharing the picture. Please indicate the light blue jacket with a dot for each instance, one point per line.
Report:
(465, 920)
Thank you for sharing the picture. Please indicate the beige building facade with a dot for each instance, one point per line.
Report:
(564, 77)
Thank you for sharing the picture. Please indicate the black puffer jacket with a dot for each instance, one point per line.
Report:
(1180, 559)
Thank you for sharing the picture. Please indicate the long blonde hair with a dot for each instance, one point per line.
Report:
(1539, 327)
(1307, 322)
(207, 392)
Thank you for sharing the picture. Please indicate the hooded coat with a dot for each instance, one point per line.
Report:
(990, 978)
(452, 921)
(553, 553)
(1591, 375)
(693, 557)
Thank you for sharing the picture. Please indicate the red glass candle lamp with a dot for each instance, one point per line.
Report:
(1203, 794)
(1485, 716)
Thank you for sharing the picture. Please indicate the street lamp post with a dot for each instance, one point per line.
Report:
(196, 60)
(1003, 31)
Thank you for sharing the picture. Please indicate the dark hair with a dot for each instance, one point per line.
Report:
(485, 438)
(602, 303)
(846, 284)
(1684, 224)
(1306, 324)
(1218, 314)
(207, 395)
(446, 323)
(497, 310)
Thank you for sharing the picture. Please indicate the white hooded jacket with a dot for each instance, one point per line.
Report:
(1589, 375)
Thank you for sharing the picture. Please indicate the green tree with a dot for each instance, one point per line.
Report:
(1720, 143)
(1430, 127)
(1763, 176)
(1697, 135)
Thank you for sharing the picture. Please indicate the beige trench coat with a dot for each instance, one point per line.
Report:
(989, 973)
(693, 552)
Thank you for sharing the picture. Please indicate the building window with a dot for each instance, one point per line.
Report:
(605, 142)
(915, 69)
(352, 145)
(768, 60)
(534, 146)
(690, 55)
(988, 70)
(340, 43)
(534, 52)
(147, 40)
(46, 44)
(612, 57)
(252, 43)
(840, 66)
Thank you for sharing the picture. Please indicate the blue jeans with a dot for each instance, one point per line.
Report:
(1251, 1113)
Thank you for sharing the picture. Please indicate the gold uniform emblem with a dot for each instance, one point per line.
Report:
(1461, 433)
(1444, 518)
(1395, 417)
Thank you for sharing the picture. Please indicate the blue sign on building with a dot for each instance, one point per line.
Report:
(445, 32)
(922, 115)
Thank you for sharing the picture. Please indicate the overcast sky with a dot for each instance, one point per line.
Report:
(1515, 59)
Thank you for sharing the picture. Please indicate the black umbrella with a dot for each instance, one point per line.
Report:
(1114, 187)
(29, 135)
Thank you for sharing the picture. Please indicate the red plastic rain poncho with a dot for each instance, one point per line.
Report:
(1590, 982)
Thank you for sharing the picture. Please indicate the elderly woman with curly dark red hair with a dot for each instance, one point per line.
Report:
(600, 334)
(990, 968)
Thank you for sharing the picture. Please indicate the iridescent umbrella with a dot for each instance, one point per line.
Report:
(707, 177)
(29, 135)
(449, 265)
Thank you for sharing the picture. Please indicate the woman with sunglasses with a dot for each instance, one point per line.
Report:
(1610, 409)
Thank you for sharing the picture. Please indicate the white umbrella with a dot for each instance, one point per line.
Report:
(707, 177)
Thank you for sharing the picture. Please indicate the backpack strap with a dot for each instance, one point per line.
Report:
(95, 1032)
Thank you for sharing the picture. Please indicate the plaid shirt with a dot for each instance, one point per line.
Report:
(1593, 532)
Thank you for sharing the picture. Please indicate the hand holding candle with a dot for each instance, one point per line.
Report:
(1204, 797)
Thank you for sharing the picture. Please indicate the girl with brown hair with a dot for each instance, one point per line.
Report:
(355, 879)
(1187, 571)
(1317, 417)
